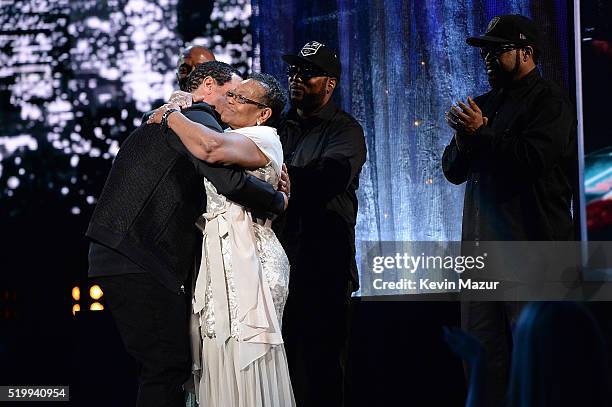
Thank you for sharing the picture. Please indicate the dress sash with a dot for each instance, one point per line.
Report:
(259, 327)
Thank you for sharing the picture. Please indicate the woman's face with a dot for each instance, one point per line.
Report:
(245, 105)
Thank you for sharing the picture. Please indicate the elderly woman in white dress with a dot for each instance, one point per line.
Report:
(242, 284)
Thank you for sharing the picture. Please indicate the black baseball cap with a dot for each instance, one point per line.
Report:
(508, 29)
(318, 55)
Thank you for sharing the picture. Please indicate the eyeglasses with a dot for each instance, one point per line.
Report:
(496, 51)
(304, 72)
(243, 101)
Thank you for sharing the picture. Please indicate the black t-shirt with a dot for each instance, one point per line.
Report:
(109, 262)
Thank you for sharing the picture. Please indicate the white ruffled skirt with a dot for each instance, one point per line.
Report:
(264, 383)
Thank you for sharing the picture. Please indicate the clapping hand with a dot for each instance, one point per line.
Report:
(466, 118)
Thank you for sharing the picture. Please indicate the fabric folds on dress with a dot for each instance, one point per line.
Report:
(259, 324)
(238, 297)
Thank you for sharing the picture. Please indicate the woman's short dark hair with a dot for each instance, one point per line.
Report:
(274, 95)
(219, 71)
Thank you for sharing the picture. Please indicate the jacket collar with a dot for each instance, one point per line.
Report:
(323, 114)
(526, 81)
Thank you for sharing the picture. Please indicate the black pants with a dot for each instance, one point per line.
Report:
(152, 322)
(491, 323)
(316, 324)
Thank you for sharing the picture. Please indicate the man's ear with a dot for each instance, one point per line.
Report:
(527, 53)
(209, 85)
(331, 84)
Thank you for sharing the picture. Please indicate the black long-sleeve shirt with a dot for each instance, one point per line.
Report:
(324, 155)
(521, 168)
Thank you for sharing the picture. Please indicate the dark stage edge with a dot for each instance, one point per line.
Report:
(397, 357)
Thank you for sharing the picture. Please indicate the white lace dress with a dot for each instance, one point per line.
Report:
(239, 296)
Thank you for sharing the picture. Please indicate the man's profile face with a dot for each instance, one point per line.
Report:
(501, 63)
(216, 95)
(218, 98)
(307, 86)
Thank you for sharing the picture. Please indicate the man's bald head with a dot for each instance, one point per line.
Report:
(189, 59)
(199, 53)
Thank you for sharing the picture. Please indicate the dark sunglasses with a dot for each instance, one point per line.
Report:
(304, 72)
(243, 101)
(497, 50)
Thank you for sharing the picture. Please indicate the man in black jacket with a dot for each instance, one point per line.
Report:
(145, 241)
(515, 147)
(324, 148)
(190, 58)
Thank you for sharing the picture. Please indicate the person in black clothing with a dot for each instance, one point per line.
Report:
(324, 150)
(515, 148)
(145, 241)
(190, 58)
(558, 358)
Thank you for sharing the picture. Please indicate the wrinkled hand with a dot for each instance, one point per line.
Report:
(466, 119)
(463, 344)
(156, 117)
(284, 184)
(183, 99)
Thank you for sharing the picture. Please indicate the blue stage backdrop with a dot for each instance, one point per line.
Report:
(404, 63)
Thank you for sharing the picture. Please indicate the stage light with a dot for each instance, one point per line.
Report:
(75, 308)
(417, 123)
(96, 306)
(76, 293)
(95, 292)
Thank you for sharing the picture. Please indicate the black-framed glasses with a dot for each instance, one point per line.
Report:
(304, 72)
(243, 101)
(497, 50)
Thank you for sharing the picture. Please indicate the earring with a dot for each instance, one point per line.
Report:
(258, 122)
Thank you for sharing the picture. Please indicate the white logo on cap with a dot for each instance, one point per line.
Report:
(310, 48)
(522, 36)
(492, 24)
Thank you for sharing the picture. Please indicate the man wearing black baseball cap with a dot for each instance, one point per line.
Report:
(508, 33)
(313, 75)
(515, 148)
(324, 150)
